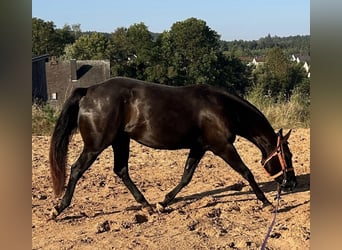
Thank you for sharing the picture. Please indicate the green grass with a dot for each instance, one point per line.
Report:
(293, 113)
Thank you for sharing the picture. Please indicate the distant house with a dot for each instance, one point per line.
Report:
(245, 59)
(64, 76)
(39, 86)
(305, 59)
(257, 61)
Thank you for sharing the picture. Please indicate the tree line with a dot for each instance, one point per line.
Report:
(189, 53)
(257, 48)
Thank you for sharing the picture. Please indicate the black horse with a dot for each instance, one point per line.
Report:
(197, 117)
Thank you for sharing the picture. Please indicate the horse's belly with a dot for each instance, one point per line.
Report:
(161, 138)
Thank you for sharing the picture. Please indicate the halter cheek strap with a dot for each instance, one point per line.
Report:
(279, 151)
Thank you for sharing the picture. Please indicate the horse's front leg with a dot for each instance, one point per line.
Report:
(194, 158)
(122, 172)
(229, 154)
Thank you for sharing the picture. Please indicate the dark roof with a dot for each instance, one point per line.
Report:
(303, 58)
(41, 57)
(259, 58)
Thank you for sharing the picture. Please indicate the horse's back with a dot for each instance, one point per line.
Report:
(156, 115)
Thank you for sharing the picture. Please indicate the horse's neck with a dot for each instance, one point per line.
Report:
(261, 132)
(264, 139)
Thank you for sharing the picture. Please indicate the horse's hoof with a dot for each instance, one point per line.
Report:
(53, 214)
(268, 207)
(147, 209)
(160, 208)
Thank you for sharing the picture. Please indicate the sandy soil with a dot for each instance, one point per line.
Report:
(217, 210)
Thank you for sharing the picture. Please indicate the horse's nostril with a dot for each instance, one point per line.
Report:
(284, 183)
(291, 185)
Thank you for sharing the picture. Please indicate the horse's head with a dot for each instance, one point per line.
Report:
(279, 163)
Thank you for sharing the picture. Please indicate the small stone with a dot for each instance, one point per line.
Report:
(42, 196)
(103, 227)
(248, 243)
(215, 212)
(140, 218)
(275, 235)
(126, 225)
(87, 240)
(192, 225)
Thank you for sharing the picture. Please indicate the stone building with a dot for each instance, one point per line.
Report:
(64, 76)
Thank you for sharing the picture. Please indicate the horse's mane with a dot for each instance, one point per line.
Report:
(240, 100)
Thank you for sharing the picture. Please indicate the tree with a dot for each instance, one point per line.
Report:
(119, 51)
(89, 47)
(193, 48)
(141, 45)
(119, 47)
(158, 68)
(76, 29)
(64, 37)
(43, 35)
(278, 76)
(131, 51)
(46, 39)
(233, 75)
(140, 41)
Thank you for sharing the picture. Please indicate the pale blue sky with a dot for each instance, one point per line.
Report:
(231, 19)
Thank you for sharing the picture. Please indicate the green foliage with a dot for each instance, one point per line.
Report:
(278, 76)
(193, 54)
(233, 75)
(48, 40)
(89, 47)
(290, 45)
(43, 119)
(187, 54)
(294, 112)
(43, 35)
(281, 91)
(130, 51)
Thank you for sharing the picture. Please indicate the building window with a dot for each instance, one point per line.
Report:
(54, 96)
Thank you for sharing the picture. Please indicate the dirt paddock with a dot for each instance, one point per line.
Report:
(217, 210)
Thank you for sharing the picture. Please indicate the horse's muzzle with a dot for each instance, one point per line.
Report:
(289, 185)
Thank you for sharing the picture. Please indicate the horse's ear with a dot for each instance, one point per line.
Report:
(286, 137)
(280, 132)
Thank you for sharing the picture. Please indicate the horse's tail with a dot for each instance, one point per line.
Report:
(65, 127)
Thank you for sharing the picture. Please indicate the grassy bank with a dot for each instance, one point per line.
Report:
(43, 119)
(292, 113)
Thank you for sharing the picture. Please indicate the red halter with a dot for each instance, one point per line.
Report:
(279, 151)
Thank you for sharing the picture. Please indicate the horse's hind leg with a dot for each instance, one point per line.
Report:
(84, 161)
(121, 155)
(229, 154)
(194, 158)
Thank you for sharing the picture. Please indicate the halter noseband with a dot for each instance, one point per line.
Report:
(279, 151)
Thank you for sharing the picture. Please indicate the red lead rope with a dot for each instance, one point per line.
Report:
(280, 153)
(272, 223)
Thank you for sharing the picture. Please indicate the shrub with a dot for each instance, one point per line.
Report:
(44, 118)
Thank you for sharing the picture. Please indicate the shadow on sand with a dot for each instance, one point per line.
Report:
(266, 187)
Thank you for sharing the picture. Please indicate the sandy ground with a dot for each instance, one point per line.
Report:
(217, 210)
